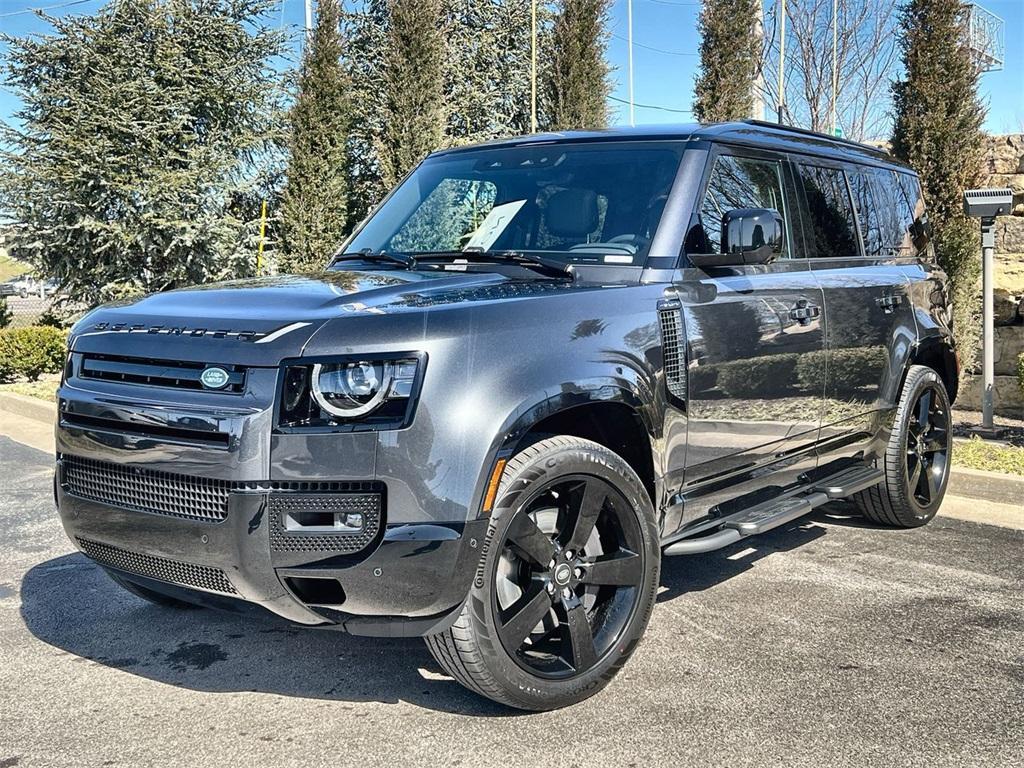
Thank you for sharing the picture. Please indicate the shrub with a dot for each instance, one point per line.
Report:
(860, 367)
(5, 313)
(757, 376)
(810, 371)
(31, 351)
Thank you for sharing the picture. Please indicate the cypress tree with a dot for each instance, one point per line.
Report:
(938, 132)
(578, 82)
(413, 80)
(729, 58)
(314, 206)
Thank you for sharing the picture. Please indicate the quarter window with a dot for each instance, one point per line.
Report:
(869, 214)
(739, 182)
(833, 228)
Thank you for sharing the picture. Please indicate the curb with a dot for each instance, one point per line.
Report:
(28, 407)
(988, 486)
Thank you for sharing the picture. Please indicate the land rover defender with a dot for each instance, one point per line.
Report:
(539, 367)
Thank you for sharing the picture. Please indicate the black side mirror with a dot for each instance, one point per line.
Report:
(749, 236)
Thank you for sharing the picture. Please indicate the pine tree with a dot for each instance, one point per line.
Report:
(413, 79)
(144, 144)
(729, 58)
(314, 213)
(938, 132)
(578, 80)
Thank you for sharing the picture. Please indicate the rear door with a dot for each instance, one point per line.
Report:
(869, 322)
(749, 333)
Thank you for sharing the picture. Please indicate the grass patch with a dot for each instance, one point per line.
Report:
(994, 457)
(10, 267)
(44, 390)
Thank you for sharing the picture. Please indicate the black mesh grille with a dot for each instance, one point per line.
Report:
(283, 540)
(157, 373)
(159, 568)
(145, 490)
(672, 352)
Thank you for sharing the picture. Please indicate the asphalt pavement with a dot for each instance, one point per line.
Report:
(830, 642)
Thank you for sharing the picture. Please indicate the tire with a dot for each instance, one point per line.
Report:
(599, 595)
(917, 457)
(149, 595)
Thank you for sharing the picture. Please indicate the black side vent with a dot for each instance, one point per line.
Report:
(673, 349)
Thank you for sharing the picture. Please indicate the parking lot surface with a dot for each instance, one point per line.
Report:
(827, 643)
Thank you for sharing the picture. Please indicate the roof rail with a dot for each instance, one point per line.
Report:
(809, 132)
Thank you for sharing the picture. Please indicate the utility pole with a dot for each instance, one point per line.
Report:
(758, 86)
(533, 66)
(309, 19)
(781, 65)
(629, 14)
(835, 62)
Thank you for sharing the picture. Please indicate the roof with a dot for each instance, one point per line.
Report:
(747, 132)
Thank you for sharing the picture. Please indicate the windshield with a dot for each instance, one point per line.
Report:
(595, 203)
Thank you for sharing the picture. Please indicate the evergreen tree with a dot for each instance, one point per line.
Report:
(143, 145)
(413, 80)
(729, 58)
(938, 132)
(578, 79)
(314, 202)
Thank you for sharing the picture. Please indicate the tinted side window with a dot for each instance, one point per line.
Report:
(869, 215)
(833, 232)
(890, 210)
(739, 182)
(915, 220)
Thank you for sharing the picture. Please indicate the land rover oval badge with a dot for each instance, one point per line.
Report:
(214, 378)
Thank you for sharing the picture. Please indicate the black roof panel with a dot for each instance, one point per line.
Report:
(747, 132)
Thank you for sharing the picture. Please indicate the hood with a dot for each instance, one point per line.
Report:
(260, 320)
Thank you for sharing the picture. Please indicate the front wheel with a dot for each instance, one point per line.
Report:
(566, 584)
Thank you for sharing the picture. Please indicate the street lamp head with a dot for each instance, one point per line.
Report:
(988, 203)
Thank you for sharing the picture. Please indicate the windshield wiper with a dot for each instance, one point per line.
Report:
(528, 260)
(368, 254)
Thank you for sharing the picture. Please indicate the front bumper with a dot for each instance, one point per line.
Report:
(411, 580)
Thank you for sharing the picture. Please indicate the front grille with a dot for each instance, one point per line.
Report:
(146, 490)
(173, 571)
(283, 540)
(157, 373)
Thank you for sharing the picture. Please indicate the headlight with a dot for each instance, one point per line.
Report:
(364, 393)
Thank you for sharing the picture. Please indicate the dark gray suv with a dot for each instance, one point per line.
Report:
(539, 367)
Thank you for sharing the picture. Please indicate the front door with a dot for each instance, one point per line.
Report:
(754, 350)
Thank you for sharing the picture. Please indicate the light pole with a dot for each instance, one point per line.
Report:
(533, 66)
(835, 61)
(629, 24)
(987, 204)
(782, 61)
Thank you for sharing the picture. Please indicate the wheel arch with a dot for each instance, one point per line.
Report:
(939, 354)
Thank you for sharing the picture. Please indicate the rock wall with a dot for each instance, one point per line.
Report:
(1004, 167)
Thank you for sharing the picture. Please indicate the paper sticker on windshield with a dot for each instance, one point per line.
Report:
(494, 223)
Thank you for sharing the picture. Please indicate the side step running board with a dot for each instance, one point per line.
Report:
(764, 517)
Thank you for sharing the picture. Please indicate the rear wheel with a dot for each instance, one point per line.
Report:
(567, 583)
(917, 458)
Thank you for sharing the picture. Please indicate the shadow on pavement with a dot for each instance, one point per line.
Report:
(70, 603)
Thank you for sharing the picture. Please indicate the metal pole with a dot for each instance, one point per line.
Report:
(309, 18)
(758, 85)
(988, 247)
(533, 66)
(835, 61)
(629, 20)
(782, 62)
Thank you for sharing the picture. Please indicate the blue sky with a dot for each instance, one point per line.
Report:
(662, 77)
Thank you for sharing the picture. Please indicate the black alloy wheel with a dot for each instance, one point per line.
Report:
(928, 439)
(566, 581)
(569, 576)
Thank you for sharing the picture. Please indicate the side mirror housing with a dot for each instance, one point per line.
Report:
(749, 236)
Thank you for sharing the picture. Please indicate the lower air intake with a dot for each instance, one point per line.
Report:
(172, 571)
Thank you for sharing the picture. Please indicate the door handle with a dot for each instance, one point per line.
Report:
(803, 312)
(889, 302)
